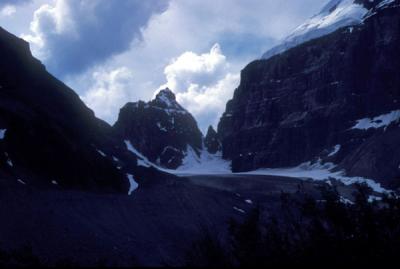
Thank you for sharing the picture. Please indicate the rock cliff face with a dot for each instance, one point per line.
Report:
(336, 98)
(212, 142)
(161, 129)
(48, 137)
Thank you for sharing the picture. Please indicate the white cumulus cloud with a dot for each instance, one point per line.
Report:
(109, 92)
(174, 49)
(158, 42)
(191, 68)
(49, 21)
(207, 103)
(72, 36)
(203, 83)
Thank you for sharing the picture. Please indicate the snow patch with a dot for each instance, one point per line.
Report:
(133, 184)
(384, 3)
(101, 153)
(133, 150)
(239, 210)
(161, 127)
(373, 198)
(319, 172)
(249, 201)
(171, 148)
(172, 111)
(205, 164)
(2, 133)
(346, 201)
(167, 100)
(142, 160)
(164, 96)
(378, 122)
(9, 162)
(335, 151)
(143, 163)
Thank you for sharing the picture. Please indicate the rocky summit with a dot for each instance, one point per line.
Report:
(332, 99)
(211, 141)
(162, 130)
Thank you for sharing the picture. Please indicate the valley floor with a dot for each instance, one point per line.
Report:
(154, 226)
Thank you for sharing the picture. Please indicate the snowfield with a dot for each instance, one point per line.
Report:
(379, 121)
(319, 172)
(336, 14)
(205, 164)
(209, 164)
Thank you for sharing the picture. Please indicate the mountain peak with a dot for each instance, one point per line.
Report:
(211, 141)
(162, 130)
(334, 15)
(166, 99)
(166, 94)
(211, 130)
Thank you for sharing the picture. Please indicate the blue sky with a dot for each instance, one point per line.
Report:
(115, 51)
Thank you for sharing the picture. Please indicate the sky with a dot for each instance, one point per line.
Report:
(116, 51)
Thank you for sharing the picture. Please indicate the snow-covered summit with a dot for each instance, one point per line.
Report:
(334, 15)
(166, 96)
(167, 99)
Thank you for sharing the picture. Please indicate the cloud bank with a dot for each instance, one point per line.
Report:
(202, 83)
(113, 52)
(110, 91)
(73, 35)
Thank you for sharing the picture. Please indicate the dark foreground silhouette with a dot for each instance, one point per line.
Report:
(308, 232)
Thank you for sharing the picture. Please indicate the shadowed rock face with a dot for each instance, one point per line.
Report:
(211, 141)
(160, 129)
(48, 135)
(299, 105)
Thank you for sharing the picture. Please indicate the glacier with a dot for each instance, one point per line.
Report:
(336, 14)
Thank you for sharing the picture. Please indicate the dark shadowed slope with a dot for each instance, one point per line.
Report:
(154, 226)
(47, 134)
